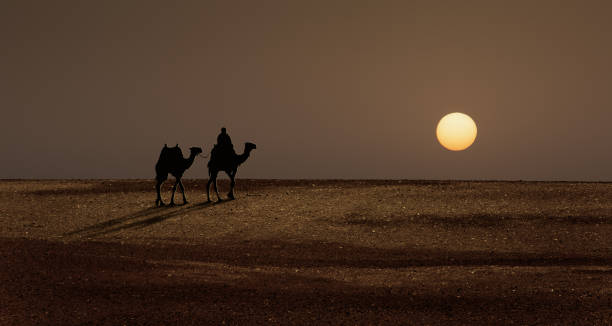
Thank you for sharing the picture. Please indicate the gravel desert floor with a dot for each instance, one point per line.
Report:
(81, 252)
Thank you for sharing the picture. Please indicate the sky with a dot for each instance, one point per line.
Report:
(326, 89)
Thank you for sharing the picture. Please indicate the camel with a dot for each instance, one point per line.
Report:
(229, 164)
(171, 161)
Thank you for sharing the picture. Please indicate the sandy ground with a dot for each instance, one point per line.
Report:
(307, 252)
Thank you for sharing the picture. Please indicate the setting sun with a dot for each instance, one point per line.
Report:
(456, 131)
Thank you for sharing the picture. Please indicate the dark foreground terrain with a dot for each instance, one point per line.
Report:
(307, 252)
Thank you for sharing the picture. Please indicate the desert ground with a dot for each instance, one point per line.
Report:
(81, 252)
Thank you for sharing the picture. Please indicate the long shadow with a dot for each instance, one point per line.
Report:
(155, 219)
(115, 221)
(131, 221)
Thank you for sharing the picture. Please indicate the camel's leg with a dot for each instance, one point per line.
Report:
(208, 188)
(215, 187)
(158, 201)
(212, 177)
(232, 184)
(180, 183)
(173, 190)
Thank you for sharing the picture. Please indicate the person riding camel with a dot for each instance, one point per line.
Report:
(224, 143)
(224, 139)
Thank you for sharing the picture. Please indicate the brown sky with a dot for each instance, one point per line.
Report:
(326, 89)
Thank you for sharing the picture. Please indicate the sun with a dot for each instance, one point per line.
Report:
(456, 131)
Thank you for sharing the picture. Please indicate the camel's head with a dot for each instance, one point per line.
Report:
(249, 147)
(195, 150)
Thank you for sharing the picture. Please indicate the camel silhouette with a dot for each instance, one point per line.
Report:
(228, 163)
(171, 161)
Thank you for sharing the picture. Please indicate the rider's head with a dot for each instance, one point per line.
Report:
(223, 130)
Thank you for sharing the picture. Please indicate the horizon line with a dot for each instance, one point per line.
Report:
(320, 179)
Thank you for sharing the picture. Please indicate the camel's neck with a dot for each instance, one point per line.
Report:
(189, 161)
(244, 156)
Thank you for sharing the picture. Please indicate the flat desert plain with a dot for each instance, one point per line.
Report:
(306, 252)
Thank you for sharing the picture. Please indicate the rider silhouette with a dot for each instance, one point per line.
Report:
(224, 143)
(224, 140)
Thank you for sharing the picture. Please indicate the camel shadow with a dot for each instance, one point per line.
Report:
(137, 220)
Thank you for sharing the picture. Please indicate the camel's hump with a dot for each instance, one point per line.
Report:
(170, 153)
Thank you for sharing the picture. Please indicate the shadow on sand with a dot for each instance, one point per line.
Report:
(137, 220)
